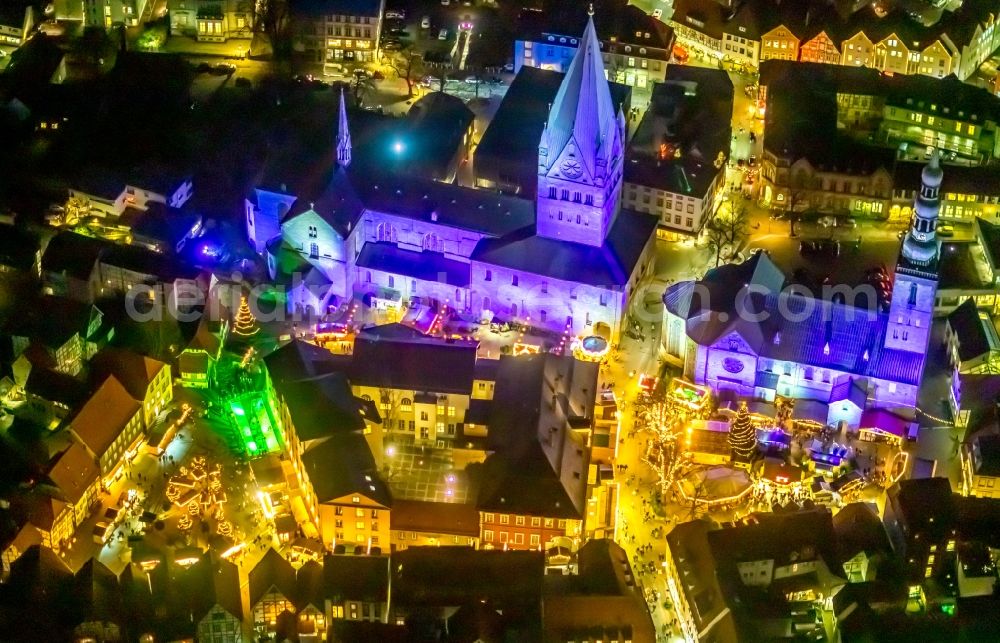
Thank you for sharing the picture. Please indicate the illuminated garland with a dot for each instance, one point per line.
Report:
(743, 436)
(245, 323)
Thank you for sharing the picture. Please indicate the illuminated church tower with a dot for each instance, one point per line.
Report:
(916, 280)
(581, 152)
(343, 135)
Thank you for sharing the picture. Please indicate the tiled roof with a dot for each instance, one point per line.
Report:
(426, 266)
(342, 465)
(73, 471)
(436, 517)
(969, 328)
(72, 254)
(323, 406)
(273, 570)
(356, 578)
(606, 266)
(418, 362)
(134, 371)
(104, 416)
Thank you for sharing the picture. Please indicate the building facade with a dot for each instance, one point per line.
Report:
(338, 31)
(474, 251)
(211, 20)
(797, 347)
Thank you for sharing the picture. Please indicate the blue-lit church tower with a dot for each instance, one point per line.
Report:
(581, 152)
(916, 279)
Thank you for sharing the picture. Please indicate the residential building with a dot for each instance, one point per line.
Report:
(272, 588)
(862, 542)
(971, 341)
(635, 46)
(508, 582)
(416, 523)
(17, 21)
(981, 466)
(968, 193)
(955, 41)
(338, 30)
(789, 560)
(109, 426)
(69, 266)
(458, 247)
(196, 363)
(427, 393)
(821, 355)
(534, 493)
(676, 162)
(58, 333)
(603, 596)
(105, 13)
(20, 252)
(335, 490)
(211, 20)
(357, 587)
(699, 603)
(147, 380)
(100, 193)
(76, 474)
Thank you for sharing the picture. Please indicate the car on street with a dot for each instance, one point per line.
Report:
(425, 22)
(472, 80)
(391, 45)
(443, 34)
(395, 14)
(946, 230)
(223, 69)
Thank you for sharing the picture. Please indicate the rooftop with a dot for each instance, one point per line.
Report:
(506, 577)
(356, 578)
(134, 371)
(272, 573)
(607, 266)
(72, 254)
(426, 266)
(342, 465)
(435, 517)
(974, 331)
(104, 416)
(323, 406)
(987, 450)
(419, 362)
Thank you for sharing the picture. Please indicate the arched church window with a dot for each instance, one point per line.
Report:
(913, 295)
(433, 243)
(386, 232)
(565, 195)
(589, 199)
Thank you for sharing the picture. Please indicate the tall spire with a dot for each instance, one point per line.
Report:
(343, 135)
(583, 110)
(921, 244)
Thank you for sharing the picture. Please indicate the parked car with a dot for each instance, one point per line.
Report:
(243, 82)
(425, 22)
(443, 34)
(946, 230)
(826, 222)
(391, 45)
(224, 68)
(472, 80)
(397, 14)
(848, 223)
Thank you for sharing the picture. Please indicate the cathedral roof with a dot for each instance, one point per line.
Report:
(583, 109)
(609, 265)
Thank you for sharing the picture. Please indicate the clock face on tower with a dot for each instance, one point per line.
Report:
(571, 168)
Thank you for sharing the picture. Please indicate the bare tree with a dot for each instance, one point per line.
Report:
(727, 231)
(408, 66)
(361, 86)
(271, 18)
(390, 402)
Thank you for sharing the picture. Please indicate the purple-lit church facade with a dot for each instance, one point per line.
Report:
(741, 330)
(570, 259)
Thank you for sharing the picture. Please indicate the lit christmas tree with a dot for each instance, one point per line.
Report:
(743, 436)
(245, 324)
